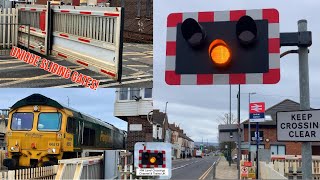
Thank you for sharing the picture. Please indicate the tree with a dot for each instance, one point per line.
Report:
(224, 119)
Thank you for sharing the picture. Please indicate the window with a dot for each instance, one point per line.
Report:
(148, 93)
(129, 94)
(89, 137)
(123, 94)
(134, 93)
(138, 9)
(253, 135)
(148, 9)
(71, 125)
(278, 149)
(49, 121)
(253, 147)
(22, 121)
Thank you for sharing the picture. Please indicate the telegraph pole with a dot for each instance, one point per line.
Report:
(239, 136)
(304, 101)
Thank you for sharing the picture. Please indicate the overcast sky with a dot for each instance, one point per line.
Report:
(196, 108)
(99, 103)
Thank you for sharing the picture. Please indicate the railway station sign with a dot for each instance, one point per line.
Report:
(257, 110)
(298, 125)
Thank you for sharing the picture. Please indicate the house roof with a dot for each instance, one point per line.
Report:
(159, 117)
(185, 137)
(285, 105)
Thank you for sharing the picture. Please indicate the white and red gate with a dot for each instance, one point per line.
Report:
(88, 36)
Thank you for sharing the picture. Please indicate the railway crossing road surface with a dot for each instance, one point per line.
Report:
(137, 71)
(195, 168)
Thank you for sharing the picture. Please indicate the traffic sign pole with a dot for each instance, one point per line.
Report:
(257, 153)
(304, 101)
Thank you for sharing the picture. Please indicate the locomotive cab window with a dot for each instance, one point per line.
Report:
(22, 121)
(71, 126)
(49, 121)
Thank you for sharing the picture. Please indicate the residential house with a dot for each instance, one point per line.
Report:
(145, 124)
(182, 145)
(174, 140)
(268, 133)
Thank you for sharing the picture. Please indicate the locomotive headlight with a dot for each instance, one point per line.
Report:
(53, 150)
(59, 135)
(36, 108)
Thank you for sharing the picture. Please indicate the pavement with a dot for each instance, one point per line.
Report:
(193, 168)
(137, 71)
(224, 171)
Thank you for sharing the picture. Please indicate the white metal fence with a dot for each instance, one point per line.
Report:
(8, 28)
(48, 172)
(80, 168)
(291, 166)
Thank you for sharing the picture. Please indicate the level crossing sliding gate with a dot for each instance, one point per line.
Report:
(87, 36)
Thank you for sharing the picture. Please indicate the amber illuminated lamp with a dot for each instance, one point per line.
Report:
(153, 160)
(219, 53)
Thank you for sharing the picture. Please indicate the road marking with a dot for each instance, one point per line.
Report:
(127, 82)
(205, 174)
(11, 62)
(137, 65)
(103, 81)
(179, 167)
(33, 78)
(133, 54)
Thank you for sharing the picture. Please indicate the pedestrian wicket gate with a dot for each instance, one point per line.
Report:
(88, 36)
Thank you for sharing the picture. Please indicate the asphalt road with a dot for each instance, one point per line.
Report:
(137, 71)
(195, 168)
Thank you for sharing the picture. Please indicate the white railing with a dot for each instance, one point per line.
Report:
(80, 168)
(48, 172)
(267, 172)
(8, 28)
(290, 166)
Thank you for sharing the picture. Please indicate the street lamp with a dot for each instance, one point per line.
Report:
(249, 125)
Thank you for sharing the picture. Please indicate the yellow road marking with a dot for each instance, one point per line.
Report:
(205, 174)
(23, 65)
(33, 78)
(13, 61)
(137, 65)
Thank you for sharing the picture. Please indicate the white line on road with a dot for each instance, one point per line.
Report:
(127, 82)
(183, 165)
(105, 81)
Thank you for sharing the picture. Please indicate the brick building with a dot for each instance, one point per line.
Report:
(268, 133)
(138, 24)
(181, 143)
(134, 105)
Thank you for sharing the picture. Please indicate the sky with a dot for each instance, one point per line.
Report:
(197, 108)
(99, 103)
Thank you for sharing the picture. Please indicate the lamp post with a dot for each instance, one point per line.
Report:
(249, 125)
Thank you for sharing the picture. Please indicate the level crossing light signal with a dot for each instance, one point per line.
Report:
(152, 158)
(223, 47)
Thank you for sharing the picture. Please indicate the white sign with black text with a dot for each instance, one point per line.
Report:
(298, 126)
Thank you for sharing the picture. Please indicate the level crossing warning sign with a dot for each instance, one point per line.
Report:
(298, 125)
(244, 171)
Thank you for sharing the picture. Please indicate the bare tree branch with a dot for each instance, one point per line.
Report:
(224, 118)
